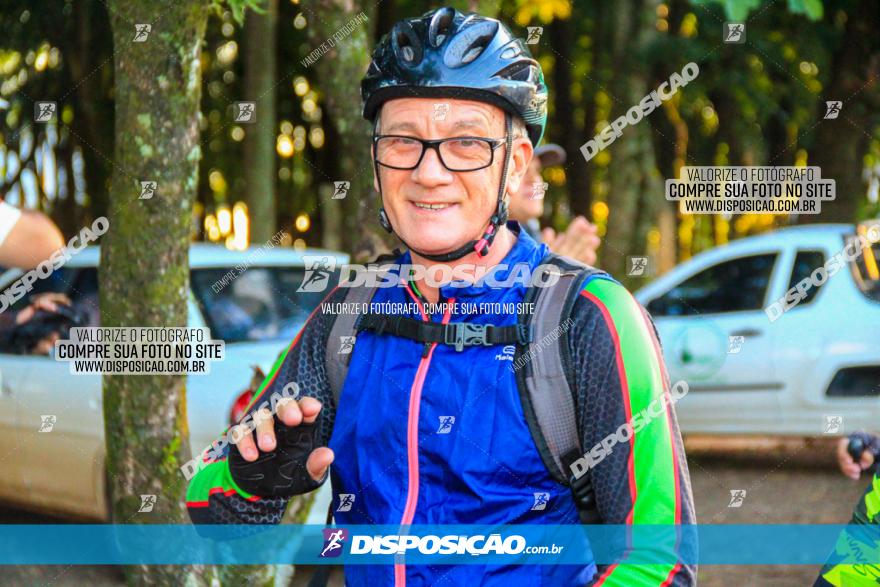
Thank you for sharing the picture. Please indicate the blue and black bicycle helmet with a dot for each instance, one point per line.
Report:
(447, 54)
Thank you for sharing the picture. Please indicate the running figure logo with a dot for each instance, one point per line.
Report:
(446, 423)
(333, 541)
(245, 112)
(539, 188)
(148, 190)
(346, 344)
(47, 423)
(734, 32)
(147, 503)
(737, 496)
(832, 109)
(346, 500)
(734, 344)
(541, 500)
(833, 424)
(341, 189)
(317, 274)
(141, 32)
(533, 34)
(637, 266)
(44, 111)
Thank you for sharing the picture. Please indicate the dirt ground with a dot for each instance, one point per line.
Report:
(802, 489)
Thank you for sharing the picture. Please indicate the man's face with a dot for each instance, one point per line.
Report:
(528, 202)
(431, 208)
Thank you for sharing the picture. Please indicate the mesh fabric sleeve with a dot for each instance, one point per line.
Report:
(639, 473)
(213, 496)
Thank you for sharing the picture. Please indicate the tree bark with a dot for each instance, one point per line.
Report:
(340, 71)
(632, 169)
(144, 271)
(571, 136)
(261, 75)
(839, 144)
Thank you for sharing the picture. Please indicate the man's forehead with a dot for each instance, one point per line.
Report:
(415, 113)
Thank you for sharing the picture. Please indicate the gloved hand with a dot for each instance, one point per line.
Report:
(859, 452)
(286, 459)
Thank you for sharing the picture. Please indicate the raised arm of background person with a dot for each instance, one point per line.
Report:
(27, 238)
(213, 496)
(619, 373)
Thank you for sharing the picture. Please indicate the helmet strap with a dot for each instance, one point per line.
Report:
(498, 219)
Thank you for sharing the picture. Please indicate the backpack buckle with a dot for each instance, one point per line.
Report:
(462, 334)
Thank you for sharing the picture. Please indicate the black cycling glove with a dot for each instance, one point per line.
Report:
(281, 472)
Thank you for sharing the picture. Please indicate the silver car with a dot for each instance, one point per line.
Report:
(257, 312)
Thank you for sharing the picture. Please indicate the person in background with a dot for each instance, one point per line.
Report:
(854, 561)
(580, 240)
(27, 238)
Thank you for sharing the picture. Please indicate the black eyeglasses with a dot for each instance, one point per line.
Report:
(455, 153)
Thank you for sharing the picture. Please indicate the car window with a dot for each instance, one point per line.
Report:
(805, 262)
(59, 281)
(731, 286)
(260, 304)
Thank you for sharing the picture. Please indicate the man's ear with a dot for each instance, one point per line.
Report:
(522, 153)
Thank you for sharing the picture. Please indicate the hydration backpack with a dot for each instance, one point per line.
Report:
(544, 377)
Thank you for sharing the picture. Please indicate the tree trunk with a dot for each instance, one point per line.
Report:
(144, 273)
(577, 172)
(839, 144)
(340, 71)
(632, 167)
(261, 73)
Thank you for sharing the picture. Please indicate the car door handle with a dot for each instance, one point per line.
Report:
(747, 332)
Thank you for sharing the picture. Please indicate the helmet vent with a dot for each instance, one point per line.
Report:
(470, 42)
(406, 44)
(440, 26)
(521, 72)
(511, 52)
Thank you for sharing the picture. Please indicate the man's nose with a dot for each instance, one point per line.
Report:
(431, 170)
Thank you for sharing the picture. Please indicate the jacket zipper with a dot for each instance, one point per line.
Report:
(412, 434)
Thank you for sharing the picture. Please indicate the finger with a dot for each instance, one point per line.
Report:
(867, 459)
(843, 456)
(310, 408)
(852, 471)
(590, 257)
(580, 223)
(245, 444)
(319, 461)
(289, 412)
(25, 315)
(47, 305)
(50, 301)
(559, 245)
(265, 429)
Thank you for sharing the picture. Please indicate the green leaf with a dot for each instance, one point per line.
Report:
(739, 9)
(238, 8)
(812, 9)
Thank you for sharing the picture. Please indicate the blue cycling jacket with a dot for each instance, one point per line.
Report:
(425, 434)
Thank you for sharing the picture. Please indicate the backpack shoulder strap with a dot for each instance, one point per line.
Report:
(340, 341)
(544, 372)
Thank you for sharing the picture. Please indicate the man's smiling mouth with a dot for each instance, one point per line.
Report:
(427, 206)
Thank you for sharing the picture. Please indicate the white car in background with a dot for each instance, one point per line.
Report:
(257, 314)
(815, 370)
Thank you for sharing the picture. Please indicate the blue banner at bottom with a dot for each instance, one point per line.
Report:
(434, 544)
